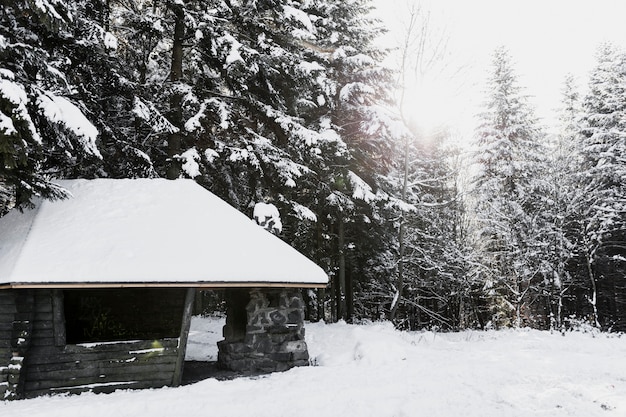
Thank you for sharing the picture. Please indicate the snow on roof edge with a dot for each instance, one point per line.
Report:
(157, 284)
(198, 222)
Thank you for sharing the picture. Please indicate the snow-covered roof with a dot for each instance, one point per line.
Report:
(144, 232)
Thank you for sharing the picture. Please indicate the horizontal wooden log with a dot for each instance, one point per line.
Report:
(131, 372)
(102, 364)
(43, 316)
(6, 324)
(6, 301)
(100, 357)
(99, 389)
(8, 308)
(43, 308)
(54, 381)
(56, 385)
(41, 341)
(120, 351)
(42, 333)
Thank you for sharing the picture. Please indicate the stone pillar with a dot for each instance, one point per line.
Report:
(264, 331)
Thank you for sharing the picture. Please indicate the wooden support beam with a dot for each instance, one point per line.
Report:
(58, 317)
(184, 335)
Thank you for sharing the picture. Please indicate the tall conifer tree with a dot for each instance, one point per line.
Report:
(508, 194)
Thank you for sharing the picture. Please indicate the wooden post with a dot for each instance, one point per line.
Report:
(184, 335)
(58, 318)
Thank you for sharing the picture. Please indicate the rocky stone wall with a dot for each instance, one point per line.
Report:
(264, 331)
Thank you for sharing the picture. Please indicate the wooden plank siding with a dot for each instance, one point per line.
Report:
(100, 367)
(32, 327)
(14, 336)
(7, 312)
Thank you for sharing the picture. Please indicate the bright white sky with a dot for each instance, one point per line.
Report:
(546, 38)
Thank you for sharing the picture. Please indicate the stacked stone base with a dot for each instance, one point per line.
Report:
(270, 337)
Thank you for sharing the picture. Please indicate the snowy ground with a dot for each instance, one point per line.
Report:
(374, 370)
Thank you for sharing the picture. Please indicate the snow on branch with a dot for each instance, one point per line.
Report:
(97, 35)
(360, 60)
(16, 95)
(221, 108)
(339, 200)
(233, 55)
(153, 117)
(354, 90)
(267, 216)
(304, 213)
(299, 16)
(54, 13)
(60, 110)
(360, 189)
(190, 164)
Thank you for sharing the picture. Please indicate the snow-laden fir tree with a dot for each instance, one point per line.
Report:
(45, 125)
(509, 194)
(604, 184)
(568, 283)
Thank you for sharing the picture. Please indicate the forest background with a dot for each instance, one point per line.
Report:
(293, 103)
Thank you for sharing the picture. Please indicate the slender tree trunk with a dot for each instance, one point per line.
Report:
(341, 299)
(176, 75)
(321, 311)
(401, 234)
(107, 13)
(349, 296)
(594, 291)
(321, 293)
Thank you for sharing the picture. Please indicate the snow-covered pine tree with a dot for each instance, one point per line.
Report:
(569, 287)
(44, 125)
(356, 109)
(509, 192)
(604, 184)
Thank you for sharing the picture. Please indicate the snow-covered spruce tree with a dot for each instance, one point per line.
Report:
(604, 184)
(569, 290)
(510, 204)
(45, 127)
(346, 36)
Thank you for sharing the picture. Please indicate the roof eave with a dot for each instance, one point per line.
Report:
(198, 285)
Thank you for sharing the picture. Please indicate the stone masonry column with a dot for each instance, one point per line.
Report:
(264, 330)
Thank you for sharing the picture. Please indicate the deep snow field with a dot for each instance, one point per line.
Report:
(374, 370)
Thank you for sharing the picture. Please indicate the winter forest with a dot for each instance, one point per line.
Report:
(292, 103)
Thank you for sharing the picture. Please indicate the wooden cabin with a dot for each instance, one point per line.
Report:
(96, 291)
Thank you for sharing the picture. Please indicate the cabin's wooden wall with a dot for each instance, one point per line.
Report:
(100, 367)
(15, 330)
(32, 320)
(7, 314)
(16, 318)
